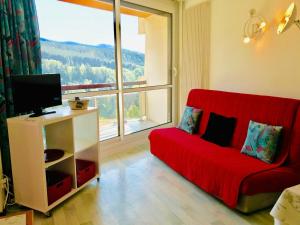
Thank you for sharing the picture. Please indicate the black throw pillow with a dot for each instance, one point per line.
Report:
(219, 129)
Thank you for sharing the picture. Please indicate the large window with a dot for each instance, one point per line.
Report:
(125, 74)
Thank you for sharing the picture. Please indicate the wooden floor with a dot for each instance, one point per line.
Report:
(138, 189)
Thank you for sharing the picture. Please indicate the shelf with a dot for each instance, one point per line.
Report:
(29, 137)
(86, 132)
(63, 113)
(82, 144)
(66, 156)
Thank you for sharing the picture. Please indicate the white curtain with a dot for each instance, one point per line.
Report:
(195, 50)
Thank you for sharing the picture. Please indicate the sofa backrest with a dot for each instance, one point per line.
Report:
(245, 107)
(294, 156)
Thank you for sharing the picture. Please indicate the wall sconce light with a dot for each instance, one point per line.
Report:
(253, 27)
(289, 19)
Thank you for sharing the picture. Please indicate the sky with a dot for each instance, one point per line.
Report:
(62, 21)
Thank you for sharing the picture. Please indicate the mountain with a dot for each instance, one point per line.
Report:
(81, 63)
(98, 55)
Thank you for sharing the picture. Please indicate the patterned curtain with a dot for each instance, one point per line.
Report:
(20, 54)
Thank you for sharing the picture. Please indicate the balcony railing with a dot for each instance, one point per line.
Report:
(141, 107)
(109, 126)
(100, 85)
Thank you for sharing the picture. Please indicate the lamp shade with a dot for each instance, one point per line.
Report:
(288, 19)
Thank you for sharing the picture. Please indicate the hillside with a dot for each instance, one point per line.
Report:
(79, 63)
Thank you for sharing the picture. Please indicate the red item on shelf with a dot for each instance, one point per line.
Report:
(58, 184)
(85, 171)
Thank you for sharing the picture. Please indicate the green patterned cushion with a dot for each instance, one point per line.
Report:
(190, 120)
(262, 141)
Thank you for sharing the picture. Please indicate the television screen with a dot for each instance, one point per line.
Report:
(36, 92)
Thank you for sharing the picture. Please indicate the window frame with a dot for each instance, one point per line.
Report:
(120, 89)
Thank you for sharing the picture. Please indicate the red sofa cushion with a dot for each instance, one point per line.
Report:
(217, 170)
(245, 107)
(274, 180)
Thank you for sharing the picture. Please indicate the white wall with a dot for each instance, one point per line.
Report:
(269, 66)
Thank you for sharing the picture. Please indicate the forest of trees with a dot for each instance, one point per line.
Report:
(87, 64)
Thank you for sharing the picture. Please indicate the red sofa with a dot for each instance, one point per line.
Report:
(238, 180)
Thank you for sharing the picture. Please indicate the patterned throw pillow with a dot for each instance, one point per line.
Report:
(262, 141)
(190, 120)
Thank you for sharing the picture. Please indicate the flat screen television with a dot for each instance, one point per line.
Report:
(34, 93)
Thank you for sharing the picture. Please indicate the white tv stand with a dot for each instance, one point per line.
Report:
(76, 132)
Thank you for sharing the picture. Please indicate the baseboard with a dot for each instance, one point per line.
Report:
(118, 145)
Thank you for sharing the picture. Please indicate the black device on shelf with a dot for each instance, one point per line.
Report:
(35, 93)
(51, 155)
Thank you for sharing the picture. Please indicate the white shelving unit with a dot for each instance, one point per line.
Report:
(75, 132)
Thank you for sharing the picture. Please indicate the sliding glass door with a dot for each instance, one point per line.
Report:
(147, 76)
(114, 53)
